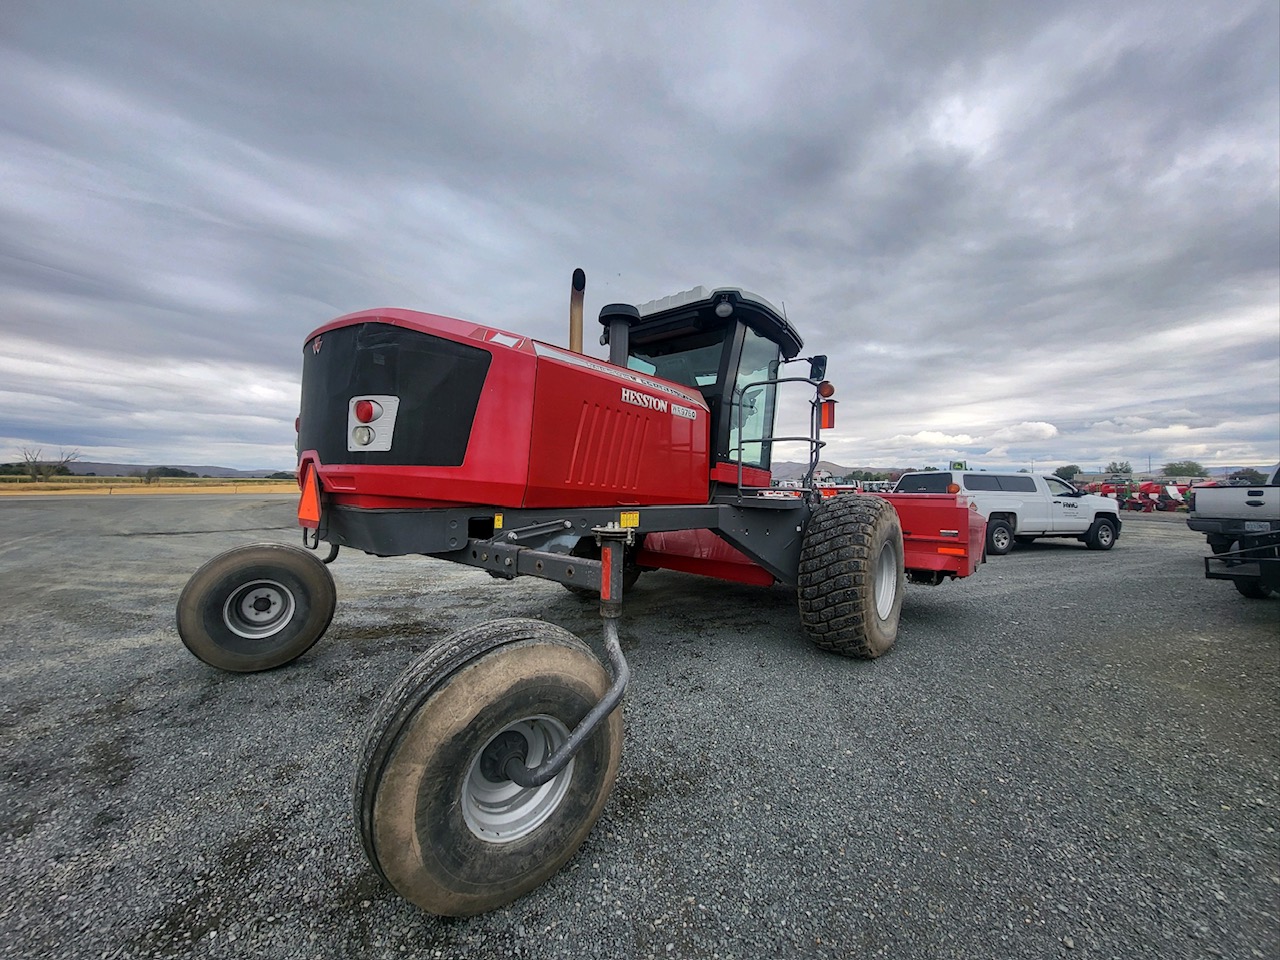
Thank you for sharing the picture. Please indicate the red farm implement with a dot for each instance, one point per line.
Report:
(490, 759)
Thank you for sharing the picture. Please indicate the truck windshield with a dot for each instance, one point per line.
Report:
(691, 360)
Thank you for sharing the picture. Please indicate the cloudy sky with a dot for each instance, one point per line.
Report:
(1025, 233)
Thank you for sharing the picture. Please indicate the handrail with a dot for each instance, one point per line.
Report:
(815, 443)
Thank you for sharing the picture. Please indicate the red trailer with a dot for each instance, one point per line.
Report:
(491, 758)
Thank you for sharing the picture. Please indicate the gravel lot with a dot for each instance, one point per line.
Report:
(1070, 754)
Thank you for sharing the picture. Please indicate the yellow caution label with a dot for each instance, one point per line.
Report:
(497, 521)
(629, 519)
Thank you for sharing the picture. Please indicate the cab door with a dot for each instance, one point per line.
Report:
(1065, 513)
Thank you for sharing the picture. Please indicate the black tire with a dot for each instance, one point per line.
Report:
(430, 819)
(588, 548)
(1219, 545)
(999, 537)
(1102, 535)
(1253, 589)
(851, 581)
(1024, 540)
(256, 607)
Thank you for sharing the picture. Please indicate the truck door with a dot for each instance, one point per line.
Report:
(1026, 500)
(1065, 512)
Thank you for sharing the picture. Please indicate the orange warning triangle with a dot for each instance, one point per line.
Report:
(309, 504)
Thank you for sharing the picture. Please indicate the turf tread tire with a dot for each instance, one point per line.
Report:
(836, 583)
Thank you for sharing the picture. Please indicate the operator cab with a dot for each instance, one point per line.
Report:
(725, 343)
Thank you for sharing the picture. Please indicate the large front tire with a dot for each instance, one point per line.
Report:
(851, 579)
(256, 607)
(442, 826)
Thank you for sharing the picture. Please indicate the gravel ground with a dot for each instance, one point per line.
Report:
(1070, 754)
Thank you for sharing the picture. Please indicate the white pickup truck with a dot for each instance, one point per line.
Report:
(1022, 507)
(1242, 525)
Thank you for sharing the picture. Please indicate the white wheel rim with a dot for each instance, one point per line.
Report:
(258, 609)
(886, 573)
(503, 811)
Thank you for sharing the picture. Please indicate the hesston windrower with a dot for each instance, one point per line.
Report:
(490, 759)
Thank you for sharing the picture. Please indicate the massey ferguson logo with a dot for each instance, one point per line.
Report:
(644, 400)
(315, 345)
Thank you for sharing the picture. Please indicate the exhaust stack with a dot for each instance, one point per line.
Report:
(575, 310)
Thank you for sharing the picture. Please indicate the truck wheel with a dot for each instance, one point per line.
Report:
(1219, 545)
(851, 579)
(1253, 589)
(999, 537)
(439, 821)
(1102, 535)
(256, 607)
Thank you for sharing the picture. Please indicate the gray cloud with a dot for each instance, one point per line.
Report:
(988, 214)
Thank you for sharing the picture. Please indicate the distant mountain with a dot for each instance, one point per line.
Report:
(82, 468)
(790, 470)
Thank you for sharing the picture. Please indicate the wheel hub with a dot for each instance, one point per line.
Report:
(258, 609)
(499, 811)
(886, 580)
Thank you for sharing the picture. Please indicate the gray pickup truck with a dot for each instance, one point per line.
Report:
(1242, 527)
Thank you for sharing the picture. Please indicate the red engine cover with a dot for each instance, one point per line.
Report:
(552, 428)
(604, 436)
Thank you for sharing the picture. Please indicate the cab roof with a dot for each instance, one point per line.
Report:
(700, 308)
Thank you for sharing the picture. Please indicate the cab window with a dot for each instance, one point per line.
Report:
(752, 405)
(1059, 488)
(1023, 484)
(980, 481)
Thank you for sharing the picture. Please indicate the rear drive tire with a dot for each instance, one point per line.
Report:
(851, 580)
(999, 537)
(444, 831)
(256, 607)
(1218, 545)
(1102, 535)
(1253, 589)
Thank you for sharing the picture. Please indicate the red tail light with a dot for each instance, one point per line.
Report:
(368, 410)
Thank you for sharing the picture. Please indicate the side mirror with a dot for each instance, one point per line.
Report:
(818, 367)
